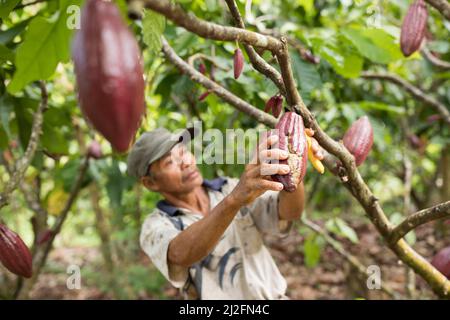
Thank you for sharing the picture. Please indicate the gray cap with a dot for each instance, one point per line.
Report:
(152, 146)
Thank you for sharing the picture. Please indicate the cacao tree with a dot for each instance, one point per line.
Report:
(223, 62)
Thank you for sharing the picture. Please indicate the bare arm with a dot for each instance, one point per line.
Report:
(199, 239)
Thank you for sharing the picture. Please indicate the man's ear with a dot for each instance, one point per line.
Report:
(150, 183)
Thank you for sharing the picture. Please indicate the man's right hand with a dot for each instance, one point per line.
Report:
(256, 178)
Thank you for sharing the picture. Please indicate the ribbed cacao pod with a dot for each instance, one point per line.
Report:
(413, 27)
(14, 254)
(95, 150)
(441, 261)
(292, 138)
(359, 139)
(238, 63)
(274, 105)
(109, 73)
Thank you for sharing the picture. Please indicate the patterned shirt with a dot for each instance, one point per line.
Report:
(239, 267)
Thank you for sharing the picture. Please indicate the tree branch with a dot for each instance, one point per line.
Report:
(413, 90)
(355, 184)
(24, 162)
(42, 252)
(439, 211)
(210, 30)
(442, 6)
(337, 246)
(434, 60)
(216, 88)
(257, 61)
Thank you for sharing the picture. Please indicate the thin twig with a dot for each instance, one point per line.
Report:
(434, 60)
(23, 5)
(216, 88)
(442, 6)
(413, 90)
(24, 162)
(437, 212)
(337, 246)
(257, 61)
(191, 60)
(210, 30)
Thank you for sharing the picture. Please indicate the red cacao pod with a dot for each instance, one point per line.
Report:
(238, 63)
(291, 133)
(44, 236)
(202, 68)
(441, 261)
(14, 254)
(359, 139)
(413, 27)
(95, 150)
(277, 106)
(109, 73)
(269, 104)
(274, 105)
(204, 95)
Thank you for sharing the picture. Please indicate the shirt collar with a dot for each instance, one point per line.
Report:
(214, 184)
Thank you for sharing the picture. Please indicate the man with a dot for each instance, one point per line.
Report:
(206, 235)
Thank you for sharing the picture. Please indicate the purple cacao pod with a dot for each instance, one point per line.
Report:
(14, 254)
(359, 139)
(204, 95)
(238, 63)
(441, 261)
(291, 133)
(413, 27)
(202, 68)
(276, 110)
(109, 73)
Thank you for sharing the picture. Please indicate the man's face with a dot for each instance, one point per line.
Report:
(176, 172)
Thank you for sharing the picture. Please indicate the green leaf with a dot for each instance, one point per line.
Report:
(341, 228)
(47, 42)
(341, 58)
(8, 35)
(312, 249)
(114, 186)
(153, 26)
(5, 54)
(306, 75)
(6, 7)
(346, 230)
(6, 107)
(374, 44)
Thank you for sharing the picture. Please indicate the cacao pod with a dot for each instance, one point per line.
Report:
(274, 105)
(204, 95)
(95, 150)
(14, 254)
(109, 73)
(413, 27)
(441, 261)
(202, 68)
(359, 139)
(44, 236)
(316, 163)
(238, 63)
(292, 138)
